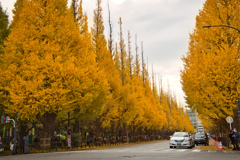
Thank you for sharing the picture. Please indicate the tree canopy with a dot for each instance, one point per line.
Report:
(210, 77)
(54, 68)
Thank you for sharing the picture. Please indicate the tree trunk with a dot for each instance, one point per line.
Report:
(48, 122)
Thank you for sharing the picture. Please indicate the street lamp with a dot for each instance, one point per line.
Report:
(238, 101)
(209, 26)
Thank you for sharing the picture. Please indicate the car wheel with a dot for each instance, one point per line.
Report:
(205, 144)
(171, 147)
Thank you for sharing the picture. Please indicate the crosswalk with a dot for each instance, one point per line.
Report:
(159, 151)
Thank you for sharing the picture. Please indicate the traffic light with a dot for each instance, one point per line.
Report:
(3, 119)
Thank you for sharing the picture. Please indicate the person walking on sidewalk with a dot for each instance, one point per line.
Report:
(236, 136)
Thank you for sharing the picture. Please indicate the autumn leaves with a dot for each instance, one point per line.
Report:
(210, 76)
(53, 65)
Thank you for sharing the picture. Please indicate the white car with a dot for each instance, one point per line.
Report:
(181, 139)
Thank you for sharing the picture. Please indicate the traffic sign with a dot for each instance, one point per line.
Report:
(126, 131)
(229, 119)
(69, 141)
(3, 120)
(7, 119)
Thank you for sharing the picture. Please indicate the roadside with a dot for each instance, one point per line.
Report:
(213, 147)
(210, 147)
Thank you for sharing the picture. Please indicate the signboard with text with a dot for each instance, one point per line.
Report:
(69, 141)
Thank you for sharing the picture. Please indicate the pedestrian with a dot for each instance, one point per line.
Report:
(22, 145)
(0, 142)
(105, 140)
(88, 141)
(230, 135)
(12, 144)
(236, 136)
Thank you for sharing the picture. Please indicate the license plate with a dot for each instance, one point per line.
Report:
(179, 144)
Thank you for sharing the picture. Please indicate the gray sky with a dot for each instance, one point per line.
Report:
(162, 25)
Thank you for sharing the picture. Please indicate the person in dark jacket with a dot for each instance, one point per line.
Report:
(230, 135)
(22, 145)
(236, 136)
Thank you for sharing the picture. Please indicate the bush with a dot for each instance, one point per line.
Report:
(75, 139)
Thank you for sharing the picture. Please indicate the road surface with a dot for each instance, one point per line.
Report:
(148, 151)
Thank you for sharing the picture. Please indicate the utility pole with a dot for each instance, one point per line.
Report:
(15, 135)
(238, 104)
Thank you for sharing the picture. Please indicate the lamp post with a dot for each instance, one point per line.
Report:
(209, 26)
(238, 101)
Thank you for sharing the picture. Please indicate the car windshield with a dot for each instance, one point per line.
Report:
(199, 136)
(180, 134)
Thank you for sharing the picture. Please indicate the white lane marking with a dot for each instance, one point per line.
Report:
(228, 151)
(182, 150)
(211, 151)
(196, 150)
(167, 150)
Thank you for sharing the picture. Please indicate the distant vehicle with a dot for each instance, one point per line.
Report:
(181, 139)
(201, 138)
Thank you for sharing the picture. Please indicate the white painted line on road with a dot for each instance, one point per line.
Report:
(228, 151)
(168, 150)
(196, 150)
(211, 151)
(182, 150)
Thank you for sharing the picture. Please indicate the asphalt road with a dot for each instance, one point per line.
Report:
(149, 151)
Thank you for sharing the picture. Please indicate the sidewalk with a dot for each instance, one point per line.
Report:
(210, 147)
(230, 149)
(214, 148)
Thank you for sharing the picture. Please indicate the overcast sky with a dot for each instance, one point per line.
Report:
(162, 25)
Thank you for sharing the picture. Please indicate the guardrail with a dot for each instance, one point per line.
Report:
(217, 143)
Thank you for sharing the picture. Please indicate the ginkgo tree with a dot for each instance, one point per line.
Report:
(54, 69)
(49, 66)
(210, 77)
(5, 28)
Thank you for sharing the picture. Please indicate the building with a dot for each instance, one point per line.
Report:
(200, 128)
(193, 119)
(196, 123)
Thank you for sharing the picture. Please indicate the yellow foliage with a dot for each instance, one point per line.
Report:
(211, 66)
(53, 64)
(49, 66)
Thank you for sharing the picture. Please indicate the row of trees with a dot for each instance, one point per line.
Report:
(56, 72)
(210, 77)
